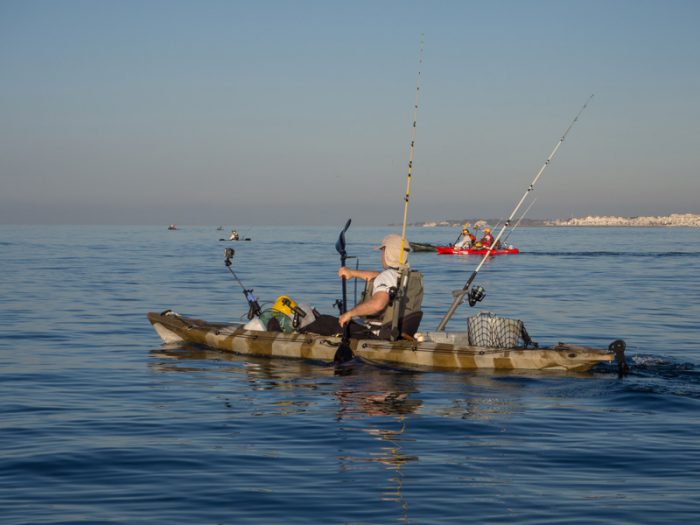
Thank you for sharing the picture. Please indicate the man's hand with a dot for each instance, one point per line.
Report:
(344, 319)
(372, 306)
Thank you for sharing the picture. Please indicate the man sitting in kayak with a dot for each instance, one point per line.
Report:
(375, 308)
(466, 241)
(487, 239)
(375, 305)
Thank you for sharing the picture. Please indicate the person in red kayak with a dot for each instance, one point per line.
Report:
(487, 239)
(467, 240)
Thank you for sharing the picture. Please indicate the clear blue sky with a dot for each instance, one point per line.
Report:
(299, 112)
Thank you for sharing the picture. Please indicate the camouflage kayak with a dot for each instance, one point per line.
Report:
(429, 350)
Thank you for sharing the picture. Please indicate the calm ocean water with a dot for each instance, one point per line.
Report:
(101, 423)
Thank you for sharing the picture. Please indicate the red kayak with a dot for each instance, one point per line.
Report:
(451, 250)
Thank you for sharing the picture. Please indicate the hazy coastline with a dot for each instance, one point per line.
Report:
(663, 221)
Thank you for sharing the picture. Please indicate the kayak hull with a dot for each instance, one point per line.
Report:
(437, 351)
(451, 250)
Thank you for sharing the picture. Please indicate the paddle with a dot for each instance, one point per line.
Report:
(344, 352)
(459, 236)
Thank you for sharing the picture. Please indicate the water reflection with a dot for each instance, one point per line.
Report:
(375, 411)
(372, 401)
(261, 373)
(381, 401)
(372, 391)
(360, 390)
(481, 397)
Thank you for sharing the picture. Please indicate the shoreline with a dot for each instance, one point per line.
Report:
(675, 220)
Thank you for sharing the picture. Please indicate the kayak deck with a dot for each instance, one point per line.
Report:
(432, 350)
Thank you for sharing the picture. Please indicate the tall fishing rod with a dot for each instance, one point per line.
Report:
(402, 281)
(477, 293)
(505, 239)
(410, 156)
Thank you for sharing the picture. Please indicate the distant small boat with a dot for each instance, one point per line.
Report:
(422, 247)
(220, 228)
(172, 227)
(235, 236)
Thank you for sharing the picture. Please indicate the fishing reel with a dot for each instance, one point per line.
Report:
(228, 255)
(475, 295)
(253, 306)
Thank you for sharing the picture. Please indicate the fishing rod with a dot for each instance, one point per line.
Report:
(254, 310)
(402, 281)
(410, 156)
(505, 239)
(344, 351)
(477, 293)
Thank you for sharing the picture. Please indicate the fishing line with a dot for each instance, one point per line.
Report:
(505, 239)
(477, 293)
(410, 155)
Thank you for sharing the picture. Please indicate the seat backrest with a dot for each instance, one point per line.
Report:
(409, 326)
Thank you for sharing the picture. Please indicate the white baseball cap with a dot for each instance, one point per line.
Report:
(391, 244)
